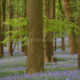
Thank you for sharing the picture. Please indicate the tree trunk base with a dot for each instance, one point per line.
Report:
(79, 60)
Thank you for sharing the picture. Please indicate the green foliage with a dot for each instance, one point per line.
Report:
(60, 27)
(19, 29)
(17, 23)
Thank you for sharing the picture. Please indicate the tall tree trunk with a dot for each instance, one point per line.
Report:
(17, 16)
(24, 47)
(1, 51)
(48, 45)
(35, 56)
(10, 27)
(79, 42)
(72, 40)
(62, 18)
(79, 38)
(2, 19)
(25, 15)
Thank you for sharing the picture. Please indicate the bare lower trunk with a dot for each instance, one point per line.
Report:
(23, 47)
(35, 56)
(63, 44)
(25, 53)
(79, 60)
(10, 48)
(48, 52)
(55, 44)
(73, 43)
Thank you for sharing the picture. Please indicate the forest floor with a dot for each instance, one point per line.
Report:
(13, 68)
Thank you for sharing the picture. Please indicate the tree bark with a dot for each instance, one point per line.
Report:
(72, 40)
(48, 44)
(63, 44)
(1, 51)
(79, 45)
(55, 44)
(10, 28)
(79, 41)
(24, 48)
(3, 20)
(35, 56)
(61, 9)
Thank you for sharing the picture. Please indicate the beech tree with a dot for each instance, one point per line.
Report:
(24, 47)
(48, 44)
(62, 18)
(35, 56)
(2, 20)
(10, 28)
(78, 36)
(72, 40)
(0, 34)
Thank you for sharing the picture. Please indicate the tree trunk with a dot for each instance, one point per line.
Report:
(35, 56)
(1, 51)
(25, 53)
(24, 47)
(62, 18)
(3, 20)
(55, 44)
(10, 28)
(63, 44)
(72, 40)
(79, 46)
(79, 41)
(48, 45)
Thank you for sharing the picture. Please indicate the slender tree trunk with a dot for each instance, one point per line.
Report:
(79, 45)
(24, 48)
(25, 15)
(72, 40)
(10, 27)
(3, 20)
(61, 9)
(55, 44)
(63, 44)
(79, 39)
(35, 56)
(17, 16)
(48, 45)
(1, 51)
